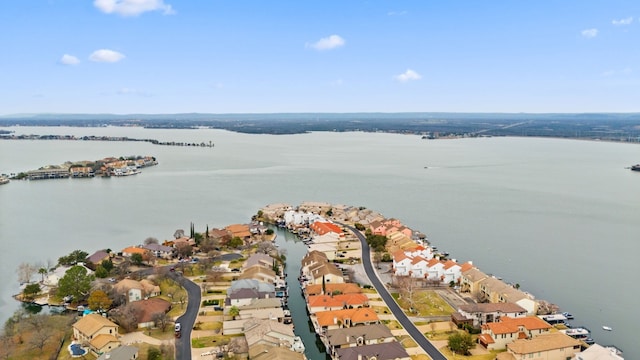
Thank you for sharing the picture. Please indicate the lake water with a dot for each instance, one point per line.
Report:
(559, 217)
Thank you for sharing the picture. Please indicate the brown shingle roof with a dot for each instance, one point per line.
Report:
(543, 342)
(92, 323)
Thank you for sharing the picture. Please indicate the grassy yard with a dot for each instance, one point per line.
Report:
(209, 325)
(206, 341)
(426, 303)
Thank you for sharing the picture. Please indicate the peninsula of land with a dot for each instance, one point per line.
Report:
(371, 287)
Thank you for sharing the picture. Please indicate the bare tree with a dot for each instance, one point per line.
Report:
(151, 240)
(407, 285)
(266, 247)
(7, 346)
(161, 319)
(26, 272)
(39, 338)
(178, 234)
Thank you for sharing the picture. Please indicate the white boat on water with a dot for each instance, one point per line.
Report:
(607, 328)
(298, 345)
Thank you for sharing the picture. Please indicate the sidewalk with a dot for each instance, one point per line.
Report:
(140, 337)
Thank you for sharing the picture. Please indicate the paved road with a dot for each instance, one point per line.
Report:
(183, 344)
(419, 338)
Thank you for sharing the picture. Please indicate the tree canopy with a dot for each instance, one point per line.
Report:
(75, 282)
(461, 343)
(76, 256)
(98, 300)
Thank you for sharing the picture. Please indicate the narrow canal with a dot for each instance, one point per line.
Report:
(295, 251)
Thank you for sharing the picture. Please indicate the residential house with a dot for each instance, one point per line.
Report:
(471, 279)
(332, 288)
(552, 346)
(495, 290)
(259, 272)
(356, 336)
(128, 251)
(599, 352)
(483, 313)
(385, 351)
(496, 335)
(326, 302)
(160, 251)
(268, 352)
(312, 258)
(220, 236)
(451, 272)
(96, 332)
(322, 228)
(243, 292)
(132, 290)
(435, 270)
(147, 310)
(264, 260)
(275, 211)
(324, 273)
(336, 319)
(53, 277)
(378, 228)
(125, 352)
(98, 257)
(268, 332)
(241, 231)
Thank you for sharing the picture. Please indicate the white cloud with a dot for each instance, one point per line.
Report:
(590, 33)
(328, 43)
(106, 55)
(397, 13)
(625, 21)
(408, 75)
(132, 7)
(67, 59)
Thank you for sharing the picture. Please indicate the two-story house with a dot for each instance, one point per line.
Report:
(96, 332)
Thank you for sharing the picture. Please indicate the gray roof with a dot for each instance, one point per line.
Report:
(258, 259)
(251, 284)
(157, 247)
(385, 351)
(124, 352)
(343, 336)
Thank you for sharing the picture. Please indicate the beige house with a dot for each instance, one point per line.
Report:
(496, 335)
(552, 346)
(96, 331)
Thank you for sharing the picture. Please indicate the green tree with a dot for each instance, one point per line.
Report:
(236, 242)
(154, 354)
(461, 343)
(136, 259)
(269, 232)
(107, 265)
(73, 258)
(101, 272)
(30, 291)
(43, 271)
(359, 226)
(234, 311)
(75, 282)
(198, 238)
(377, 242)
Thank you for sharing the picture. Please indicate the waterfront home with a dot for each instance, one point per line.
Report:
(325, 227)
(273, 212)
(317, 207)
(98, 332)
(356, 336)
(324, 273)
(326, 302)
(268, 332)
(298, 218)
(128, 251)
(480, 314)
(264, 260)
(243, 292)
(599, 352)
(54, 276)
(145, 311)
(496, 335)
(331, 288)
(386, 351)
(496, 290)
(125, 352)
(378, 228)
(451, 272)
(471, 279)
(259, 272)
(336, 319)
(312, 258)
(266, 352)
(98, 257)
(81, 171)
(552, 346)
(160, 251)
(241, 231)
(328, 238)
(220, 236)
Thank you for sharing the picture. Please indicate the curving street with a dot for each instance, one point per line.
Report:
(419, 338)
(183, 344)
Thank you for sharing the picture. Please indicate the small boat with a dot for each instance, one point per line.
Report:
(298, 345)
(635, 167)
(567, 315)
(607, 328)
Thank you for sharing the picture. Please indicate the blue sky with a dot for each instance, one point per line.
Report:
(238, 56)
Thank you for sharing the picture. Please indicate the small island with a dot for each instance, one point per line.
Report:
(107, 167)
